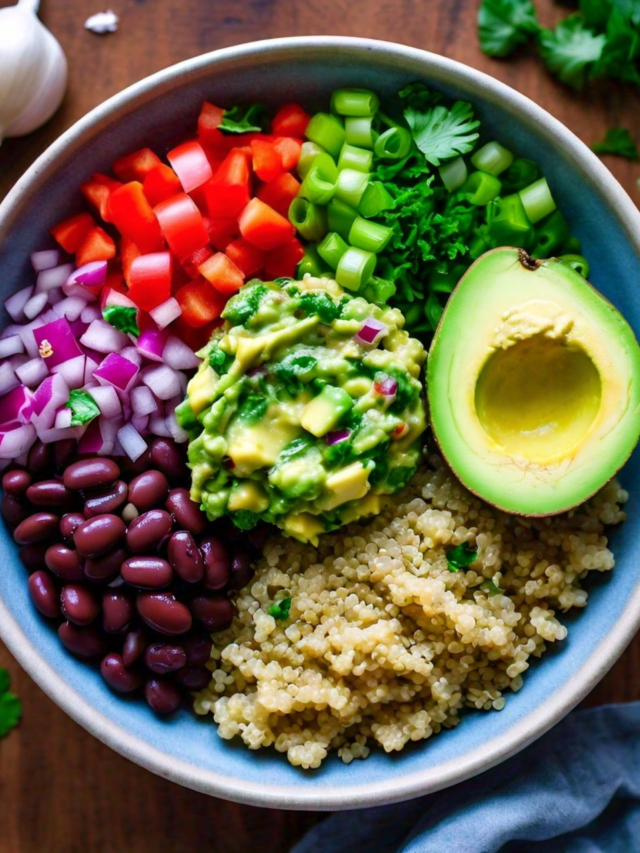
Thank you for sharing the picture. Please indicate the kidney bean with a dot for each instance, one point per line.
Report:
(166, 456)
(105, 500)
(91, 473)
(33, 556)
(44, 594)
(78, 604)
(186, 512)
(147, 572)
(98, 535)
(106, 567)
(49, 493)
(198, 649)
(241, 570)
(142, 463)
(117, 676)
(40, 458)
(215, 613)
(163, 658)
(162, 612)
(16, 482)
(134, 645)
(117, 612)
(216, 562)
(64, 562)
(82, 642)
(69, 523)
(259, 535)
(148, 531)
(185, 557)
(13, 510)
(162, 696)
(36, 528)
(148, 490)
(64, 452)
(193, 677)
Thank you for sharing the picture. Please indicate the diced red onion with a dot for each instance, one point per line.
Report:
(16, 441)
(56, 342)
(72, 371)
(11, 346)
(70, 307)
(117, 371)
(163, 381)
(89, 368)
(371, 333)
(387, 387)
(337, 436)
(142, 401)
(110, 296)
(32, 372)
(151, 344)
(18, 360)
(8, 378)
(132, 354)
(92, 275)
(158, 426)
(132, 442)
(107, 400)
(102, 337)
(53, 279)
(72, 288)
(45, 259)
(90, 313)
(166, 313)
(35, 305)
(55, 296)
(63, 418)
(179, 355)
(50, 396)
(16, 302)
(177, 433)
(16, 406)
(52, 434)
(140, 423)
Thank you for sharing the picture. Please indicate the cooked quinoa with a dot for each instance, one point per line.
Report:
(384, 643)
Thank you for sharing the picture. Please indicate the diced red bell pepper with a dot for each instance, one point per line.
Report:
(182, 225)
(128, 253)
(223, 274)
(288, 150)
(150, 280)
(134, 218)
(160, 184)
(283, 261)
(221, 231)
(290, 120)
(136, 166)
(190, 164)
(96, 246)
(200, 303)
(194, 338)
(97, 191)
(191, 263)
(208, 121)
(246, 257)
(114, 281)
(267, 163)
(70, 233)
(263, 226)
(229, 191)
(280, 193)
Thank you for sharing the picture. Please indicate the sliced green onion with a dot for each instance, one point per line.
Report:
(359, 131)
(319, 184)
(551, 234)
(327, 131)
(352, 157)
(453, 174)
(308, 154)
(519, 175)
(309, 219)
(332, 248)
(355, 268)
(311, 263)
(508, 222)
(482, 188)
(578, 263)
(376, 198)
(393, 144)
(478, 246)
(355, 102)
(493, 158)
(369, 235)
(340, 217)
(379, 290)
(351, 186)
(537, 200)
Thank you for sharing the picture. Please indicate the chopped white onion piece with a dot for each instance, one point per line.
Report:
(8, 378)
(45, 259)
(179, 355)
(63, 418)
(132, 354)
(90, 313)
(72, 371)
(132, 442)
(17, 441)
(102, 337)
(142, 401)
(70, 307)
(140, 423)
(166, 312)
(107, 400)
(73, 288)
(53, 279)
(163, 381)
(158, 426)
(15, 303)
(35, 305)
(11, 346)
(32, 372)
(89, 367)
(51, 434)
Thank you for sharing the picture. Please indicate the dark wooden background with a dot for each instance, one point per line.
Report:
(61, 791)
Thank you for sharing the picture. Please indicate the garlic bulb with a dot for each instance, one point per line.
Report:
(33, 70)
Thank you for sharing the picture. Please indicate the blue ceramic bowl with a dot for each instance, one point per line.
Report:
(159, 111)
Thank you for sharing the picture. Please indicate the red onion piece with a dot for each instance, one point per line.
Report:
(11, 346)
(337, 436)
(90, 313)
(158, 425)
(387, 386)
(151, 343)
(102, 337)
(35, 305)
(107, 400)
(162, 380)
(70, 307)
(16, 406)
(371, 333)
(53, 279)
(50, 396)
(16, 441)
(132, 354)
(15, 303)
(114, 297)
(32, 372)
(72, 371)
(45, 259)
(117, 371)
(142, 401)
(165, 313)
(56, 342)
(132, 442)
(8, 378)
(179, 355)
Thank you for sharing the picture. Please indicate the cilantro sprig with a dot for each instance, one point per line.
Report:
(505, 24)
(10, 705)
(83, 407)
(280, 610)
(617, 141)
(124, 318)
(461, 557)
(442, 133)
(243, 119)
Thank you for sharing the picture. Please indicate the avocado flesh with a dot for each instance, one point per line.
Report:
(533, 383)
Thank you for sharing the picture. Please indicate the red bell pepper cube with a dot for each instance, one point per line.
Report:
(223, 274)
(190, 164)
(290, 120)
(70, 233)
(194, 338)
(128, 253)
(246, 257)
(229, 191)
(136, 166)
(263, 226)
(283, 261)
(160, 184)
(208, 121)
(96, 246)
(150, 280)
(134, 218)
(97, 191)
(182, 225)
(191, 263)
(221, 231)
(267, 163)
(114, 281)
(200, 303)
(280, 193)
(288, 150)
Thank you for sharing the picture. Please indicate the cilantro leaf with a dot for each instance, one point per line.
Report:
(124, 318)
(83, 407)
(280, 610)
(220, 360)
(618, 141)
(490, 587)
(571, 50)
(243, 119)
(441, 133)
(420, 97)
(10, 705)
(461, 557)
(244, 304)
(620, 51)
(504, 24)
(322, 305)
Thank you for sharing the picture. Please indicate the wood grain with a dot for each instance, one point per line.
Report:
(62, 791)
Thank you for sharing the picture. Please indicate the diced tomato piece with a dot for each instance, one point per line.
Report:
(290, 120)
(263, 226)
(246, 257)
(288, 150)
(150, 280)
(70, 233)
(96, 246)
(136, 166)
(191, 263)
(181, 224)
(190, 164)
(229, 191)
(208, 121)
(267, 163)
(200, 303)
(280, 193)
(97, 192)
(223, 274)
(128, 253)
(221, 231)
(160, 184)
(134, 218)
(283, 261)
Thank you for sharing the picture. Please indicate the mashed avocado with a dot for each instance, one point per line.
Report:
(295, 417)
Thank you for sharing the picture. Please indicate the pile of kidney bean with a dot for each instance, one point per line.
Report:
(127, 564)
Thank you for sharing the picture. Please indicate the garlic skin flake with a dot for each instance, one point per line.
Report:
(33, 70)
(102, 22)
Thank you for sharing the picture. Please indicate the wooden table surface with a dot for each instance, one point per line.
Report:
(61, 791)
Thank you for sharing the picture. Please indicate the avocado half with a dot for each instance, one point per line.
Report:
(533, 382)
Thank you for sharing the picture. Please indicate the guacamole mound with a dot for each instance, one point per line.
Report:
(307, 409)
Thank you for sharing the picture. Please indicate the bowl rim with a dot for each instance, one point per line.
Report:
(485, 755)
